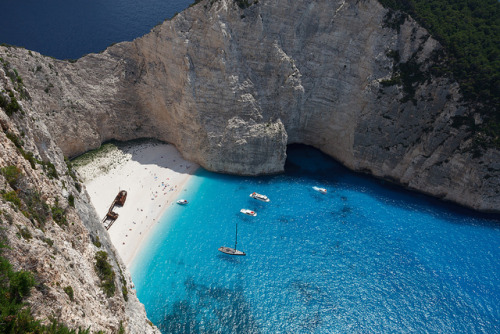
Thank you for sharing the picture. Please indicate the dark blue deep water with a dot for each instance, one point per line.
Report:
(69, 29)
(366, 257)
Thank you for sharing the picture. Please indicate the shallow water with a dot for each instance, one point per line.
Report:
(365, 257)
(69, 29)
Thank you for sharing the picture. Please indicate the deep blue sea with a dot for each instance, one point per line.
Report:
(69, 29)
(366, 257)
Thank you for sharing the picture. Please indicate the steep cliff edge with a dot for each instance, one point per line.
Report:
(53, 232)
(232, 86)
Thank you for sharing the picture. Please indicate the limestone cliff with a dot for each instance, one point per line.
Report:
(52, 230)
(232, 86)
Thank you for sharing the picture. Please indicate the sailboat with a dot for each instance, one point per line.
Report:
(232, 251)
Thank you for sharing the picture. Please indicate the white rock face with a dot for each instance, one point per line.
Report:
(231, 87)
(61, 255)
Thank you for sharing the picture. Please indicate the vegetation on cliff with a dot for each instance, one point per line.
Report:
(15, 315)
(469, 30)
(105, 272)
(8, 100)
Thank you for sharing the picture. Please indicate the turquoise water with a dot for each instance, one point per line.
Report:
(364, 258)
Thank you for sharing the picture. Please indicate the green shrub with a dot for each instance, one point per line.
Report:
(21, 283)
(395, 80)
(121, 330)
(244, 3)
(3, 101)
(12, 175)
(58, 215)
(14, 139)
(70, 171)
(28, 156)
(69, 292)
(125, 292)
(12, 197)
(105, 273)
(35, 206)
(13, 106)
(71, 200)
(124, 286)
(96, 242)
(50, 169)
(25, 233)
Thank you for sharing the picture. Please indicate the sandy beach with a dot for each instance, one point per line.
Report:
(153, 174)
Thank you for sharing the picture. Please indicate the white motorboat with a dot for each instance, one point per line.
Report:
(260, 197)
(182, 202)
(248, 212)
(321, 190)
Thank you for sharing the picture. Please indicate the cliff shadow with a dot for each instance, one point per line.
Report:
(148, 151)
(307, 161)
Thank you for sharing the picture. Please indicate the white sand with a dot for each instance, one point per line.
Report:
(154, 176)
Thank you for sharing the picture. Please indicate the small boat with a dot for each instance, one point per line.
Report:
(232, 251)
(321, 190)
(248, 212)
(260, 197)
(182, 202)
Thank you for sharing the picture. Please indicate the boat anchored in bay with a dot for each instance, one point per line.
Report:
(249, 212)
(260, 197)
(321, 190)
(232, 251)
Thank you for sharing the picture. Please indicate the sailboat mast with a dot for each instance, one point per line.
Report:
(236, 239)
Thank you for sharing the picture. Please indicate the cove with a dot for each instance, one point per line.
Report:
(365, 257)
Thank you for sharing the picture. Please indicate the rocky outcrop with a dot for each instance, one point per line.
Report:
(232, 86)
(51, 228)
